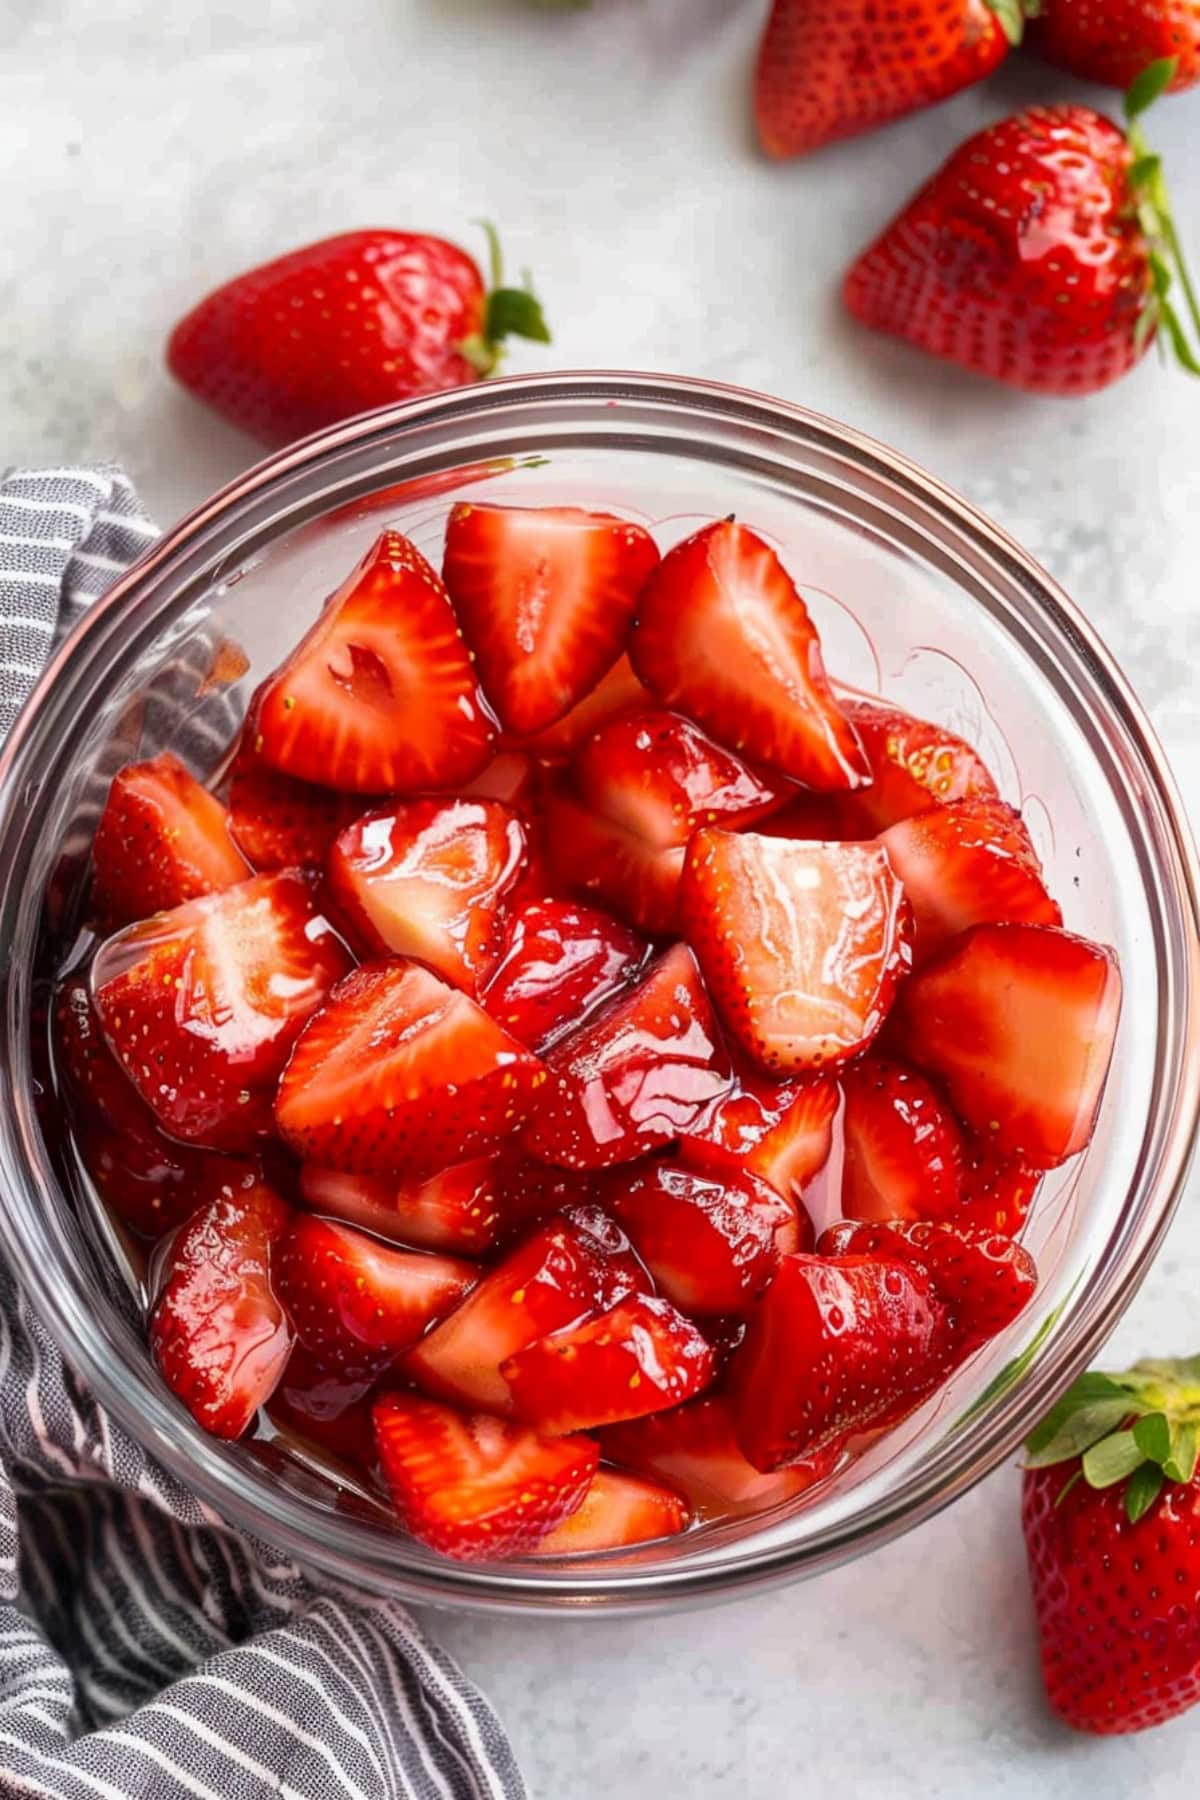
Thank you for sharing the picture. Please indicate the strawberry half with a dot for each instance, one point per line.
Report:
(618, 1511)
(429, 879)
(914, 765)
(639, 1075)
(903, 1150)
(162, 839)
(983, 1278)
(380, 694)
(801, 945)
(402, 1075)
(277, 821)
(779, 1131)
(545, 596)
(612, 695)
(1019, 1022)
(593, 855)
(474, 1487)
(559, 964)
(201, 1005)
(465, 1210)
(722, 634)
(709, 1243)
(640, 1356)
(217, 1331)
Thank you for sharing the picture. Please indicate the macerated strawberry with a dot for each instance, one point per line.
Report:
(997, 1193)
(201, 1005)
(277, 821)
(780, 1131)
(834, 1348)
(612, 695)
(635, 1077)
(511, 777)
(329, 1410)
(380, 694)
(430, 879)
(218, 1333)
(162, 839)
(545, 596)
(560, 963)
(465, 1210)
(983, 1278)
(722, 634)
(593, 855)
(403, 1075)
(914, 765)
(801, 944)
(618, 1511)
(1019, 1022)
(474, 1487)
(638, 1357)
(903, 1150)
(709, 1242)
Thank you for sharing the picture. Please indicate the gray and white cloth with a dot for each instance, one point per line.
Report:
(146, 1650)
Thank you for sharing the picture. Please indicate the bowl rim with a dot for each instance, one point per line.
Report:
(162, 1428)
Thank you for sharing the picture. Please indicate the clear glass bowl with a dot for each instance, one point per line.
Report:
(916, 595)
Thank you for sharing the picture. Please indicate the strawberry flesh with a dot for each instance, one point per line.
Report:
(983, 1278)
(903, 1150)
(615, 693)
(593, 856)
(779, 1131)
(559, 964)
(915, 765)
(277, 821)
(709, 1243)
(162, 839)
(618, 1512)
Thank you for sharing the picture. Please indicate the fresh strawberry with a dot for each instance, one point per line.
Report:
(1019, 1022)
(545, 595)
(162, 839)
(780, 1131)
(1115, 43)
(474, 1487)
(560, 962)
(970, 863)
(510, 777)
(612, 695)
(915, 765)
(983, 1279)
(590, 854)
(403, 1075)
(618, 1511)
(953, 273)
(640, 1356)
(217, 1332)
(201, 1005)
(430, 879)
(835, 1348)
(638, 1075)
(801, 945)
(465, 1210)
(343, 325)
(722, 634)
(277, 821)
(1112, 1528)
(356, 1302)
(903, 1151)
(709, 1243)
(997, 1193)
(329, 1410)
(380, 694)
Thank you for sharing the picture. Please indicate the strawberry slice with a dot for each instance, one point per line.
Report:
(429, 879)
(162, 839)
(722, 634)
(277, 821)
(613, 694)
(328, 1410)
(591, 855)
(780, 1131)
(637, 1076)
(403, 1075)
(618, 1511)
(380, 695)
(640, 1356)
(356, 1302)
(835, 1348)
(545, 596)
(559, 964)
(1019, 1022)
(903, 1151)
(801, 945)
(217, 1332)
(474, 1487)
(970, 863)
(997, 1193)
(465, 1210)
(201, 1005)
(914, 765)
(983, 1278)
(709, 1243)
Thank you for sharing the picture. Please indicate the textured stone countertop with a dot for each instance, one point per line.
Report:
(147, 151)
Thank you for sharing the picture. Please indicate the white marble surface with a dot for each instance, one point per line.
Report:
(147, 151)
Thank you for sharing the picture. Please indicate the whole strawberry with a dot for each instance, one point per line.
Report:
(346, 324)
(1112, 1527)
(1041, 254)
(1114, 40)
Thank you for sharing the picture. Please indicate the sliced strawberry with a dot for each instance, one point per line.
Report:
(560, 962)
(329, 1410)
(780, 1131)
(545, 596)
(510, 777)
(709, 1243)
(279, 822)
(903, 1151)
(618, 1511)
(970, 863)
(474, 1487)
(217, 1332)
(722, 634)
(983, 1278)
(616, 1268)
(614, 693)
(162, 839)
(356, 1302)
(801, 945)
(402, 1075)
(589, 854)
(430, 879)
(202, 1004)
(1019, 1022)
(835, 1348)
(819, 819)
(637, 1076)
(465, 1210)
(996, 1193)
(380, 695)
(640, 1356)
(914, 765)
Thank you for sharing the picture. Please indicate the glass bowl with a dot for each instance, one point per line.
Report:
(916, 595)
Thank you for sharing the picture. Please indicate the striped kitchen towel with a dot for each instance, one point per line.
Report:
(145, 1649)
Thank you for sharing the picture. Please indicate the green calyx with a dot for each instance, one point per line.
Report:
(508, 312)
(1152, 202)
(1012, 14)
(1142, 1428)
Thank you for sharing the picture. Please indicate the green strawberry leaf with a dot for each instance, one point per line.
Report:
(1145, 1485)
(1010, 15)
(1112, 1459)
(508, 312)
(1092, 1406)
(1180, 1464)
(1152, 1435)
(1149, 86)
